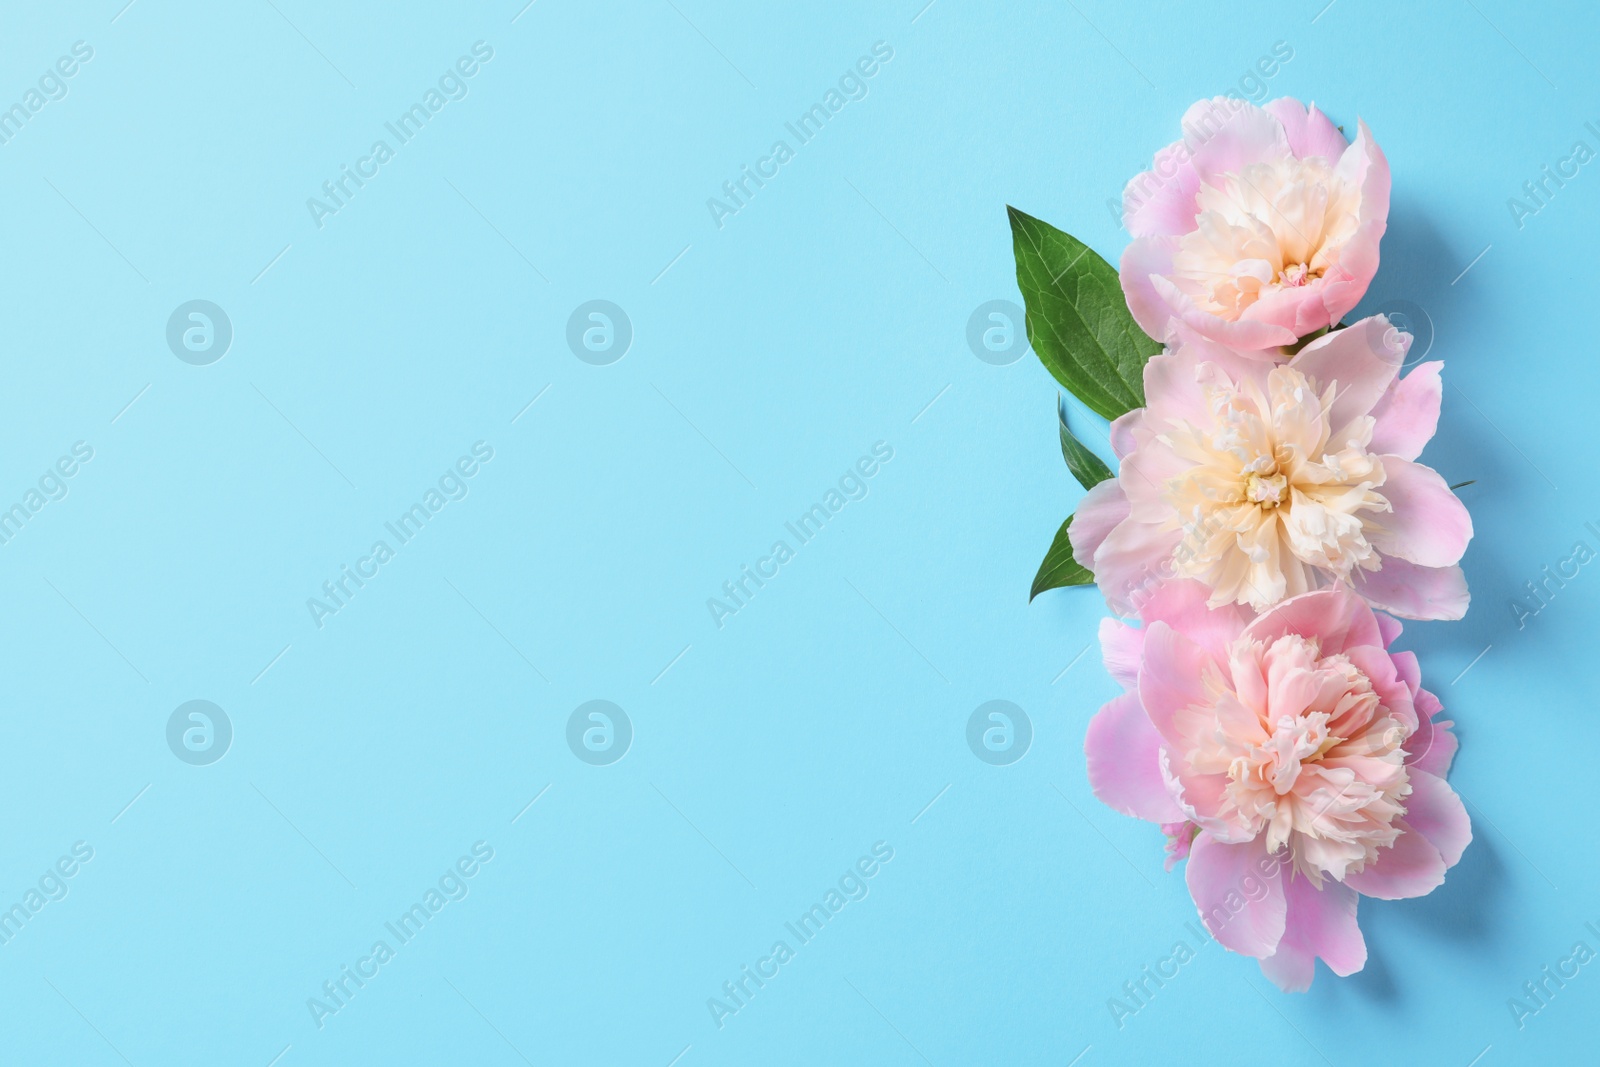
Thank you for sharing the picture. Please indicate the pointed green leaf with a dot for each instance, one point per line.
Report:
(1078, 322)
(1059, 568)
(1088, 468)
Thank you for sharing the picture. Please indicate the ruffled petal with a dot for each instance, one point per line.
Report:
(1124, 753)
(1433, 747)
(1309, 131)
(1335, 617)
(1172, 681)
(1434, 810)
(1226, 135)
(1239, 892)
(1411, 867)
(1320, 923)
(1161, 200)
(1181, 604)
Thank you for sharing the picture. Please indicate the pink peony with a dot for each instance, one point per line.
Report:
(1263, 481)
(1297, 752)
(1258, 228)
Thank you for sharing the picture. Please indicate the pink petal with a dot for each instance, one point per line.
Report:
(1363, 359)
(1098, 514)
(1124, 753)
(1146, 261)
(1336, 617)
(1223, 879)
(1161, 200)
(1122, 431)
(1414, 592)
(1433, 747)
(1411, 867)
(1122, 647)
(1429, 525)
(1362, 163)
(1405, 665)
(1318, 923)
(1251, 338)
(1390, 628)
(1309, 131)
(1384, 674)
(1172, 681)
(1132, 562)
(1181, 604)
(1226, 135)
(1409, 413)
(1200, 797)
(1434, 810)
(1302, 310)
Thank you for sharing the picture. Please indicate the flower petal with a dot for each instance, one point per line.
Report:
(1434, 810)
(1390, 628)
(1429, 525)
(1181, 604)
(1309, 131)
(1433, 747)
(1252, 338)
(1172, 680)
(1363, 359)
(1098, 514)
(1411, 867)
(1130, 562)
(1122, 647)
(1124, 753)
(1408, 414)
(1414, 592)
(1161, 200)
(1319, 923)
(1226, 135)
(1223, 879)
(1336, 618)
(1145, 262)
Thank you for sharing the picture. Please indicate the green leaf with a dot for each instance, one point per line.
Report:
(1059, 568)
(1078, 322)
(1088, 468)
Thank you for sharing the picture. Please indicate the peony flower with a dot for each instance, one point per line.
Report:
(1292, 756)
(1263, 481)
(1259, 228)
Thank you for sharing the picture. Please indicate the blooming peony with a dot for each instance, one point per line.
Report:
(1259, 228)
(1263, 481)
(1292, 757)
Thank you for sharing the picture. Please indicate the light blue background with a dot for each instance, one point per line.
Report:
(371, 753)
